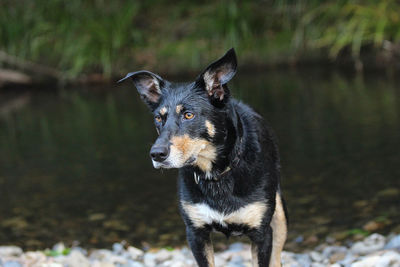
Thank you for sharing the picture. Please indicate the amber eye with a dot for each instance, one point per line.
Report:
(188, 115)
(158, 118)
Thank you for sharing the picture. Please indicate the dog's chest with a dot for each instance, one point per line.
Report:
(201, 214)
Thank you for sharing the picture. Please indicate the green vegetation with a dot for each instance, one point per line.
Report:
(111, 37)
(351, 24)
(55, 253)
(357, 231)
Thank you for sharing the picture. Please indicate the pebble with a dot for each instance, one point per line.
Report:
(374, 250)
(394, 243)
(12, 264)
(134, 253)
(8, 251)
(372, 243)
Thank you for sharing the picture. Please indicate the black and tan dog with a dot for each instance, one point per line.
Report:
(228, 161)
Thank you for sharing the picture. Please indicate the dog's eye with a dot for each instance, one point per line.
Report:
(188, 115)
(158, 118)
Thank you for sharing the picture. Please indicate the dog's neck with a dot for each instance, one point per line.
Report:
(228, 152)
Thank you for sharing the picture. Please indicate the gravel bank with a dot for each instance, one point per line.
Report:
(373, 251)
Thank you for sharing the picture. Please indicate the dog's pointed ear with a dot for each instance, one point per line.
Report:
(148, 85)
(217, 74)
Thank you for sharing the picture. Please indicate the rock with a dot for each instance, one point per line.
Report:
(132, 263)
(394, 243)
(340, 235)
(33, 258)
(102, 264)
(12, 264)
(81, 250)
(76, 259)
(8, 251)
(118, 260)
(163, 255)
(118, 248)
(236, 247)
(315, 256)
(101, 254)
(330, 240)
(370, 261)
(370, 244)
(338, 256)
(134, 253)
(372, 226)
(59, 247)
(330, 250)
(303, 259)
(51, 264)
(219, 261)
(149, 259)
(299, 239)
(390, 258)
(371, 251)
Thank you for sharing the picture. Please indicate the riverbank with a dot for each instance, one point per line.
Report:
(374, 250)
(88, 41)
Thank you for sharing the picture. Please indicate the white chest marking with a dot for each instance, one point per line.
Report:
(201, 214)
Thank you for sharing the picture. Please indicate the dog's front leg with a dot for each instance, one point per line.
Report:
(201, 246)
(261, 247)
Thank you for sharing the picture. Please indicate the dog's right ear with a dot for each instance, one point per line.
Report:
(148, 85)
(218, 74)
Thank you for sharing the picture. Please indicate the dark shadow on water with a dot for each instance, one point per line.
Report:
(75, 165)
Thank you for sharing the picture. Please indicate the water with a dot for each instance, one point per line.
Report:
(74, 164)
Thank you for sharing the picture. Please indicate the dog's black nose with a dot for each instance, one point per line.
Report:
(159, 153)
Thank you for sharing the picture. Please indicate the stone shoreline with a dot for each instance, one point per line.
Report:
(373, 251)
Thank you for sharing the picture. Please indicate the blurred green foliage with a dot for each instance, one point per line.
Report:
(350, 23)
(112, 37)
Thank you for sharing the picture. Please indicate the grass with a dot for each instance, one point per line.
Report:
(111, 37)
(350, 24)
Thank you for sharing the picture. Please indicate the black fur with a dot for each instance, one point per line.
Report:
(246, 168)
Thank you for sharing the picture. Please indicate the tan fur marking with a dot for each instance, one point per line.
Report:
(251, 215)
(184, 147)
(254, 255)
(163, 111)
(201, 214)
(210, 128)
(209, 252)
(178, 108)
(279, 232)
(206, 157)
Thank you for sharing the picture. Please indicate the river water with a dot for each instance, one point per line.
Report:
(75, 166)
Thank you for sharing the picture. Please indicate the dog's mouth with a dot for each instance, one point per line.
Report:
(191, 160)
(167, 165)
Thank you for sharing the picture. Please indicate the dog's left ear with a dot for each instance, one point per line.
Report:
(217, 74)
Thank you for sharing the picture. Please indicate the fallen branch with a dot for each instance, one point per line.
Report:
(29, 66)
(14, 77)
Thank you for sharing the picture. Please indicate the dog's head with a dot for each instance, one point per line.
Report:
(190, 118)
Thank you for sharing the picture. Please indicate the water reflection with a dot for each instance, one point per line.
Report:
(75, 165)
